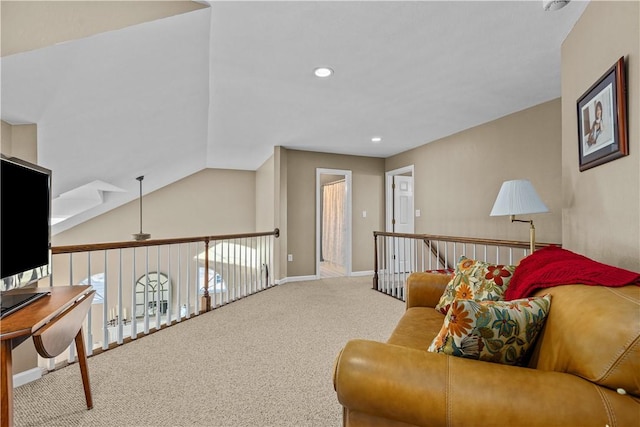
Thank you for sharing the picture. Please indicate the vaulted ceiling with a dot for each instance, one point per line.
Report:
(164, 89)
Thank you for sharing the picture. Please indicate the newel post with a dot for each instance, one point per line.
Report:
(375, 260)
(205, 300)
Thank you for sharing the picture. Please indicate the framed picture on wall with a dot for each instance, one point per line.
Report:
(602, 119)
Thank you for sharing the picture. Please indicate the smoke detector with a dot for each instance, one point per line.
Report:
(554, 4)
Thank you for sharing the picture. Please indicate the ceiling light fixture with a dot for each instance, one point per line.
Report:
(323, 72)
(554, 4)
(141, 236)
(376, 139)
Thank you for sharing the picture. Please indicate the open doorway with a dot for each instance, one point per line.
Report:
(333, 223)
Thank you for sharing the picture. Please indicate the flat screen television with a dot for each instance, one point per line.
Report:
(25, 230)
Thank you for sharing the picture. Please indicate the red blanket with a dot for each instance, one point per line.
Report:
(553, 266)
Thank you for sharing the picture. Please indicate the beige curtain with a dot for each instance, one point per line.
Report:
(333, 222)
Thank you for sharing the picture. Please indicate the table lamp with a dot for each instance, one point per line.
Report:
(518, 197)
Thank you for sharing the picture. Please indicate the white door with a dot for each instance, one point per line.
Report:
(403, 204)
(403, 222)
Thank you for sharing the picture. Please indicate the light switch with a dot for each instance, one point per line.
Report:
(364, 214)
(417, 212)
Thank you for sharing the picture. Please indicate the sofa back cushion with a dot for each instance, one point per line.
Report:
(592, 332)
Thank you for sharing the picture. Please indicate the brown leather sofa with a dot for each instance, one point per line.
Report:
(584, 368)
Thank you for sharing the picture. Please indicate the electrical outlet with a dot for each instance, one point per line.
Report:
(290, 257)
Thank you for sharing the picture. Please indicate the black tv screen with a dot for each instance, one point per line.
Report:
(25, 217)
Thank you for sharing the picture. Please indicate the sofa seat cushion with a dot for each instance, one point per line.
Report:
(417, 328)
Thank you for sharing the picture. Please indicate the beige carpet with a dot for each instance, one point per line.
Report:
(265, 360)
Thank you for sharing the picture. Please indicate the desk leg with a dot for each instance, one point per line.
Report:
(84, 368)
(6, 376)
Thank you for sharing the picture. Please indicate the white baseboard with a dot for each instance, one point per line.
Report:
(296, 279)
(25, 377)
(314, 277)
(362, 273)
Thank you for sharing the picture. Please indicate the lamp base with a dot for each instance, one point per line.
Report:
(532, 238)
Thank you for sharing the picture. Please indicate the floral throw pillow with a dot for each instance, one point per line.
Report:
(476, 280)
(494, 331)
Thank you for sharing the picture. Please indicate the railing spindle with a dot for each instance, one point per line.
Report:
(179, 286)
(188, 284)
(134, 314)
(146, 291)
(158, 290)
(169, 285)
(121, 317)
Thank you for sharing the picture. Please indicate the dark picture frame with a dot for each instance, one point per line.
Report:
(602, 119)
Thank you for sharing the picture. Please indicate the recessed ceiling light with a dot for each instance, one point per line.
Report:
(376, 139)
(323, 72)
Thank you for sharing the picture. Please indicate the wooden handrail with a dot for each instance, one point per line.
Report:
(469, 240)
(157, 242)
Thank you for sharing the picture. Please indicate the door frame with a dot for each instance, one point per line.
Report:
(389, 195)
(349, 219)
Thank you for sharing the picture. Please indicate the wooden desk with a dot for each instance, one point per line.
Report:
(53, 321)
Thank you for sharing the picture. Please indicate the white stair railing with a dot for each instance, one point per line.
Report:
(144, 286)
(397, 255)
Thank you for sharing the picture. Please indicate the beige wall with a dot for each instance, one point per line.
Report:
(601, 206)
(5, 139)
(265, 196)
(368, 194)
(28, 25)
(458, 178)
(210, 202)
(20, 141)
(280, 202)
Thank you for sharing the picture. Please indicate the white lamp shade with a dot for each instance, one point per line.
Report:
(517, 197)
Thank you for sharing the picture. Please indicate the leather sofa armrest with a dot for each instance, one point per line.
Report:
(421, 388)
(425, 289)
